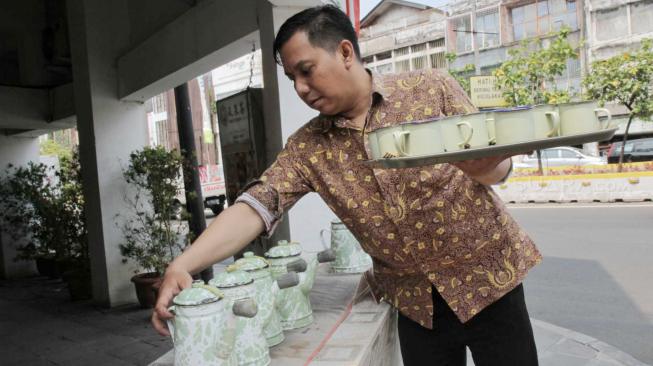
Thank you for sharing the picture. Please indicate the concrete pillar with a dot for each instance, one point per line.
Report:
(108, 131)
(284, 114)
(17, 151)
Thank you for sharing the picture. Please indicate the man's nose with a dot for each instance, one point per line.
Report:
(301, 88)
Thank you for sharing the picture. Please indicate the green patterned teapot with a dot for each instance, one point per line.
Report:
(203, 329)
(266, 293)
(251, 347)
(294, 305)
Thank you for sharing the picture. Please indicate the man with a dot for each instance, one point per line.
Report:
(446, 253)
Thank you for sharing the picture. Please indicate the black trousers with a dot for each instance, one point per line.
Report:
(500, 335)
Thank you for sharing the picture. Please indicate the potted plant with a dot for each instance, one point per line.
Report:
(152, 238)
(29, 213)
(43, 211)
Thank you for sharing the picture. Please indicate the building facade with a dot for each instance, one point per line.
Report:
(398, 36)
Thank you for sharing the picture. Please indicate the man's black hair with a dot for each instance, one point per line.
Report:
(326, 26)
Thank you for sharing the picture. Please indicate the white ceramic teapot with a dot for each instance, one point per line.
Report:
(294, 305)
(203, 329)
(266, 293)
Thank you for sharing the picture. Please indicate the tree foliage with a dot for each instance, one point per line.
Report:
(626, 79)
(528, 76)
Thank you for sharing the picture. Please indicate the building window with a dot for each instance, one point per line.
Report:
(418, 47)
(462, 29)
(438, 43)
(611, 23)
(487, 26)
(383, 56)
(420, 63)
(402, 66)
(542, 17)
(487, 70)
(384, 69)
(642, 17)
(161, 133)
(438, 61)
(368, 59)
(401, 51)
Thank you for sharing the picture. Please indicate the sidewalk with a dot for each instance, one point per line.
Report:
(39, 326)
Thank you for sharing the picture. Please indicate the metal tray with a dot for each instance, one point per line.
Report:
(483, 152)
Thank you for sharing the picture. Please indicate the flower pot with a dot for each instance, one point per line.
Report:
(79, 284)
(145, 288)
(48, 267)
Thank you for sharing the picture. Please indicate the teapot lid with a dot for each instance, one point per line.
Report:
(251, 262)
(284, 248)
(233, 277)
(198, 294)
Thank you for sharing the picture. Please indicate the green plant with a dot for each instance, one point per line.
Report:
(626, 79)
(528, 76)
(151, 238)
(29, 211)
(72, 203)
(43, 212)
(461, 75)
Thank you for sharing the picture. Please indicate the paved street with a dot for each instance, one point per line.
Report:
(596, 275)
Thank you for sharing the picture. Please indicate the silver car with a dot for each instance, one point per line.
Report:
(560, 156)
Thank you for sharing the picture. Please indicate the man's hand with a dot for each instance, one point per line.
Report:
(173, 282)
(486, 171)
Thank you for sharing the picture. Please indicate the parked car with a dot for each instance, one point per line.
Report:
(635, 150)
(213, 190)
(560, 156)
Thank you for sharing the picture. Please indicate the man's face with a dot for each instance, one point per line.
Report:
(320, 77)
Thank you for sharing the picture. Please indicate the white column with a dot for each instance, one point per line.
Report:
(108, 131)
(285, 113)
(17, 151)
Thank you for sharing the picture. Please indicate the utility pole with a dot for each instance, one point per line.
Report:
(192, 185)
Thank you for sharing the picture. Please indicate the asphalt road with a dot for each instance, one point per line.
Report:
(597, 273)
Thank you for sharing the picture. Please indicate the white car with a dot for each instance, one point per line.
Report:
(560, 156)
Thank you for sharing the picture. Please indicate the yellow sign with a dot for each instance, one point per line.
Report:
(485, 92)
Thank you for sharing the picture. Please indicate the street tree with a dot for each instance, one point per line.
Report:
(529, 75)
(626, 79)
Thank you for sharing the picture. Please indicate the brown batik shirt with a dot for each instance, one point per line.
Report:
(426, 227)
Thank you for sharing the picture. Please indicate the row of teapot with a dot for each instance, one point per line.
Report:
(488, 128)
(239, 314)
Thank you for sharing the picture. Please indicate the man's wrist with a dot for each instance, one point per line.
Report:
(496, 175)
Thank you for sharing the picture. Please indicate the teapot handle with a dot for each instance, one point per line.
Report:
(324, 244)
(171, 323)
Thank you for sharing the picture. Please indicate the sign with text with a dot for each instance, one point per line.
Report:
(485, 92)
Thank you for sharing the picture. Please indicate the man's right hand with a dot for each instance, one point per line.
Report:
(173, 282)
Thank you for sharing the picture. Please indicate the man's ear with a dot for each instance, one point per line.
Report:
(347, 53)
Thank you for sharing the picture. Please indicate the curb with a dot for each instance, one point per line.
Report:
(605, 350)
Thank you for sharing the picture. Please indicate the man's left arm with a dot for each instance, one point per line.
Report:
(487, 171)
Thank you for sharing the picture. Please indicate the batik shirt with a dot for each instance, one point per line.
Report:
(426, 228)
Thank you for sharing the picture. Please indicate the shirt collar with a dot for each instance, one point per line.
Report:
(379, 94)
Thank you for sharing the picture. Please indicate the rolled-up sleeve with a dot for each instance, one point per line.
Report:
(278, 188)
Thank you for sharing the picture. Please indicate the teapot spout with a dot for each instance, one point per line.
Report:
(326, 255)
(298, 265)
(246, 308)
(289, 279)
